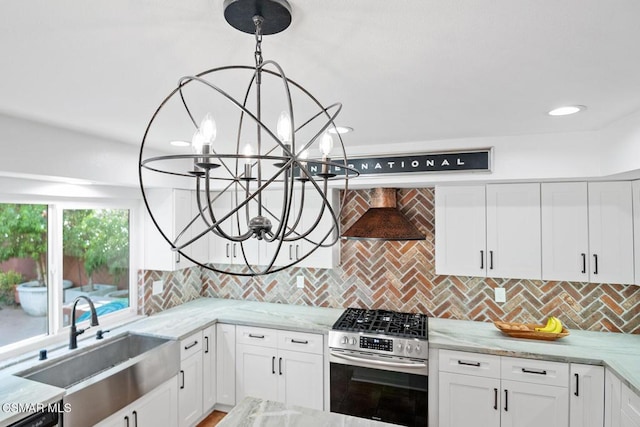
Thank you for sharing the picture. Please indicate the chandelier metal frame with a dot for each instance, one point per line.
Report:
(275, 227)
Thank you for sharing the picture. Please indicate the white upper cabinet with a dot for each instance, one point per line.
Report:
(460, 230)
(611, 232)
(636, 228)
(513, 231)
(565, 231)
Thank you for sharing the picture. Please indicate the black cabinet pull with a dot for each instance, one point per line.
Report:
(135, 418)
(297, 252)
(595, 263)
(299, 341)
(256, 336)
(193, 344)
(577, 392)
(495, 399)
(273, 365)
(290, 255)
(476, 364)
(126, 418)
(584, 263)
(182, 385)
(531, 371)
(206, 348)
(490, 260)
(506, 400)
(280, 365)
(227, 250)
(481, 260)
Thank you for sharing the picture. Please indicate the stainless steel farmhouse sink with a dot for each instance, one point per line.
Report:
(102, 379)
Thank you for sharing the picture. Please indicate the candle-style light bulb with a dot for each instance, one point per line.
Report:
(283, 128)
(303, 156)
(197, 141)
(248, 153)
(208, 128)
(326, 145)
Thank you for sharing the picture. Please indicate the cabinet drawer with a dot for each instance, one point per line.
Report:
(535, 371)
(191, 345)
(256, 336)
(300, 341)
(462, 362)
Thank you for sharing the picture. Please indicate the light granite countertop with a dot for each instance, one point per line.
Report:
(252, 412)
(619, 352)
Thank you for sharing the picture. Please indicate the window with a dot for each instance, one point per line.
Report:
(52, 253)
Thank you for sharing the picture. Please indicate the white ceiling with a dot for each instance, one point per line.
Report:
(408, 70)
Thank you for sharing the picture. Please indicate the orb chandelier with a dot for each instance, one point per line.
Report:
(263, 176)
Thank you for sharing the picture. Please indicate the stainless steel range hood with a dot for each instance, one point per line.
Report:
(383, 221)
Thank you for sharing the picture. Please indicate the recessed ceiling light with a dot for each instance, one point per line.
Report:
(566, 110)
(180, 143)
(340, 129)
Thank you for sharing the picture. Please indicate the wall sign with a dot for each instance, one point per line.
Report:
(472, 160)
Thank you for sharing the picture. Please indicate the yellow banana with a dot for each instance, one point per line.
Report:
(550, 326)
(558, 326)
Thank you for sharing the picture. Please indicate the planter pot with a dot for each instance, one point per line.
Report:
(33, 298)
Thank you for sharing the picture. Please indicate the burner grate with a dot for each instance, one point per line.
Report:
(411, 325)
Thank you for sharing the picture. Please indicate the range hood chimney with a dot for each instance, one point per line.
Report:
(383, 221)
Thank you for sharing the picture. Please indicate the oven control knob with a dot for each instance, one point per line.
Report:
(418, 349)
(400, 346)
(408, 347)
(353, 341)
(344, 340)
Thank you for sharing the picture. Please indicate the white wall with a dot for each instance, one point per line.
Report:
(620, 145)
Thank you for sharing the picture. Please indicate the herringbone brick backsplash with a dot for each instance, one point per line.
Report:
(400, 276)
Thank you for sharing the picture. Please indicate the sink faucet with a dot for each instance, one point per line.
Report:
(73, 338)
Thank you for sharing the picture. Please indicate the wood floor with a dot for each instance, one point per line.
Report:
(213, 419)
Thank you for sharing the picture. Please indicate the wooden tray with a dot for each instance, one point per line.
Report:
(527, 330)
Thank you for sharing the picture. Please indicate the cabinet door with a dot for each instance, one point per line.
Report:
(466, 400)
(182, 214)
(273, 201)
(190, 390)
(611, 232)
(534, 405)
(256, 370)
(630, 408)
(612, 399)
(226, 364)
(460, 230)
(513, 231)
(316, 210)
(300, 379)
(158, 408)
(586, 404)
(209, 384)
(636, 228)
(565, 231)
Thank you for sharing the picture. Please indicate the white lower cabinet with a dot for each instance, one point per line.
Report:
(190, 380)
(586, 398)
(622, 405)
(156, 408)
(280, 365)
(209, 384)
(226, 364)
(496, 391)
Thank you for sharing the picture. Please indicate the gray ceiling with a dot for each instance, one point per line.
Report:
(405, 71)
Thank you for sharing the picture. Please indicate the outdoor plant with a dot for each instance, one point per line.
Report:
(23, 234)
(8, 280)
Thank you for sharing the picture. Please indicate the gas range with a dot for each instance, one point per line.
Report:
(381, 332)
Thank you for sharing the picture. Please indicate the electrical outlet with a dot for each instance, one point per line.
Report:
(300, 282)
(158, 287)
(500, 295)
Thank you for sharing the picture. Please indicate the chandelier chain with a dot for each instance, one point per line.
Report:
(258, 20)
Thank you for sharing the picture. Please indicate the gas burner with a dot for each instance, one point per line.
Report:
(411, 325)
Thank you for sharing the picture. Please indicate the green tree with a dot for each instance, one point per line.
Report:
(100, 238)
(23, 229)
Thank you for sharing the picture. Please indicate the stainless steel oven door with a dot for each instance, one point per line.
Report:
(371, 386)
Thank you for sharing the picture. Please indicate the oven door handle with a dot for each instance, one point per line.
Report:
(378, 362)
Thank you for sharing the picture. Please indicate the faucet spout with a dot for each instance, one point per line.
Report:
(73, 337)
